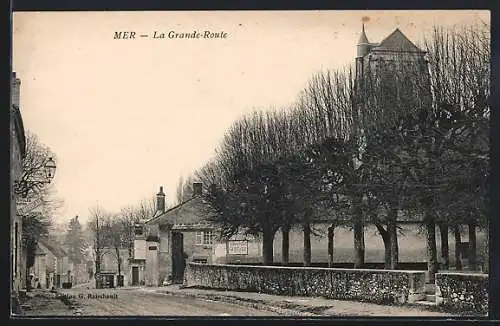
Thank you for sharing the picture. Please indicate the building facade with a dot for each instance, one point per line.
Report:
(390, 75)
(115, 266)
(52, 266)
(17, 153)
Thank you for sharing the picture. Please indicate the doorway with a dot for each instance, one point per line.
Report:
(178, 261)
(109, 280)
(135, 275)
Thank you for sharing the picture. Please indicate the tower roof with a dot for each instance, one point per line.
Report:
(397, 41)
(362, 38)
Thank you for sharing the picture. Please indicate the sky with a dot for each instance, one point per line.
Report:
(126, 116)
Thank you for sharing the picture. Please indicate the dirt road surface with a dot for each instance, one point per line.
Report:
(135, 302)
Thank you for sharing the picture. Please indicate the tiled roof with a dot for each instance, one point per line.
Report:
(53, 247)
(193, 211)
(397, 41)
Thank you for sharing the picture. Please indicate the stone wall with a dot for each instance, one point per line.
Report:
(377, 286)
(463, 292)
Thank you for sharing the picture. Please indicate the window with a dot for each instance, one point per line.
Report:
(204, 238)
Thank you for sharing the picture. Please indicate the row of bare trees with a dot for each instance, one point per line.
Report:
(115, 231)
(408, 137)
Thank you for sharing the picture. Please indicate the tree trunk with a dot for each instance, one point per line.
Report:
(285, 245)
(119, 264)
(458, 245)
(330, 245)
(267, 246)
(97, 274)
(472, 246)
(430, 225)
(307, 240)
(358, 230)
(445, 251)
(387, 245)
(393, 236)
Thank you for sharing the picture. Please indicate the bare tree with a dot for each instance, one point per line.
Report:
(116, 230)
(184, 189)
(460, 77)
(128, 219)
(145, 209)
(96, 225)
(179, 192)
(36, 216)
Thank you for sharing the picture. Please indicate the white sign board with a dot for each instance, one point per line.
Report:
(237, 247)
(25, 207)
(139, 249)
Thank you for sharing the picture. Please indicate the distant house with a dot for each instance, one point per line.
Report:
(43, 277)
(114, 276)
(58, 267)
(184, 234)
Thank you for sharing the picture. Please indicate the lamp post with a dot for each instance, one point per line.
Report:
(22, 187)
(50, 169)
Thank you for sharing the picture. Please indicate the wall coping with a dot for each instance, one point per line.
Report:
(480, 275)
(353, 270)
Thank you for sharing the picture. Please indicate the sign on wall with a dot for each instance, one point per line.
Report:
(237, 247)
(139, 249)
(26, 206)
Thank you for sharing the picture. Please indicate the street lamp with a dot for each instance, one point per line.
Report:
(22, 187)
(50, 169)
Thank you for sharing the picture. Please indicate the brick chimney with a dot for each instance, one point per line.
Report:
(160, 201)
(197, 189)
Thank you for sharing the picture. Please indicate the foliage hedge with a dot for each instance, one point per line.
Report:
(377, 286)
(463, 293)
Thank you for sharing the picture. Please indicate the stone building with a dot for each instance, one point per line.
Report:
(395, 48)
(17, 154)
(115, 266)
(391, 75)
(52, 266)
(185, 234)
(175, 236)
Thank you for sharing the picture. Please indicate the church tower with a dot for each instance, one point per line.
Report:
(387, 58)
(363, 47)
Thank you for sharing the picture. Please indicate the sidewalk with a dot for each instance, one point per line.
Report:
(299, 306)
(42, 302)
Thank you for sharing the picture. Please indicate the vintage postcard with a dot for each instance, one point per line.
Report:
(250, 163)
